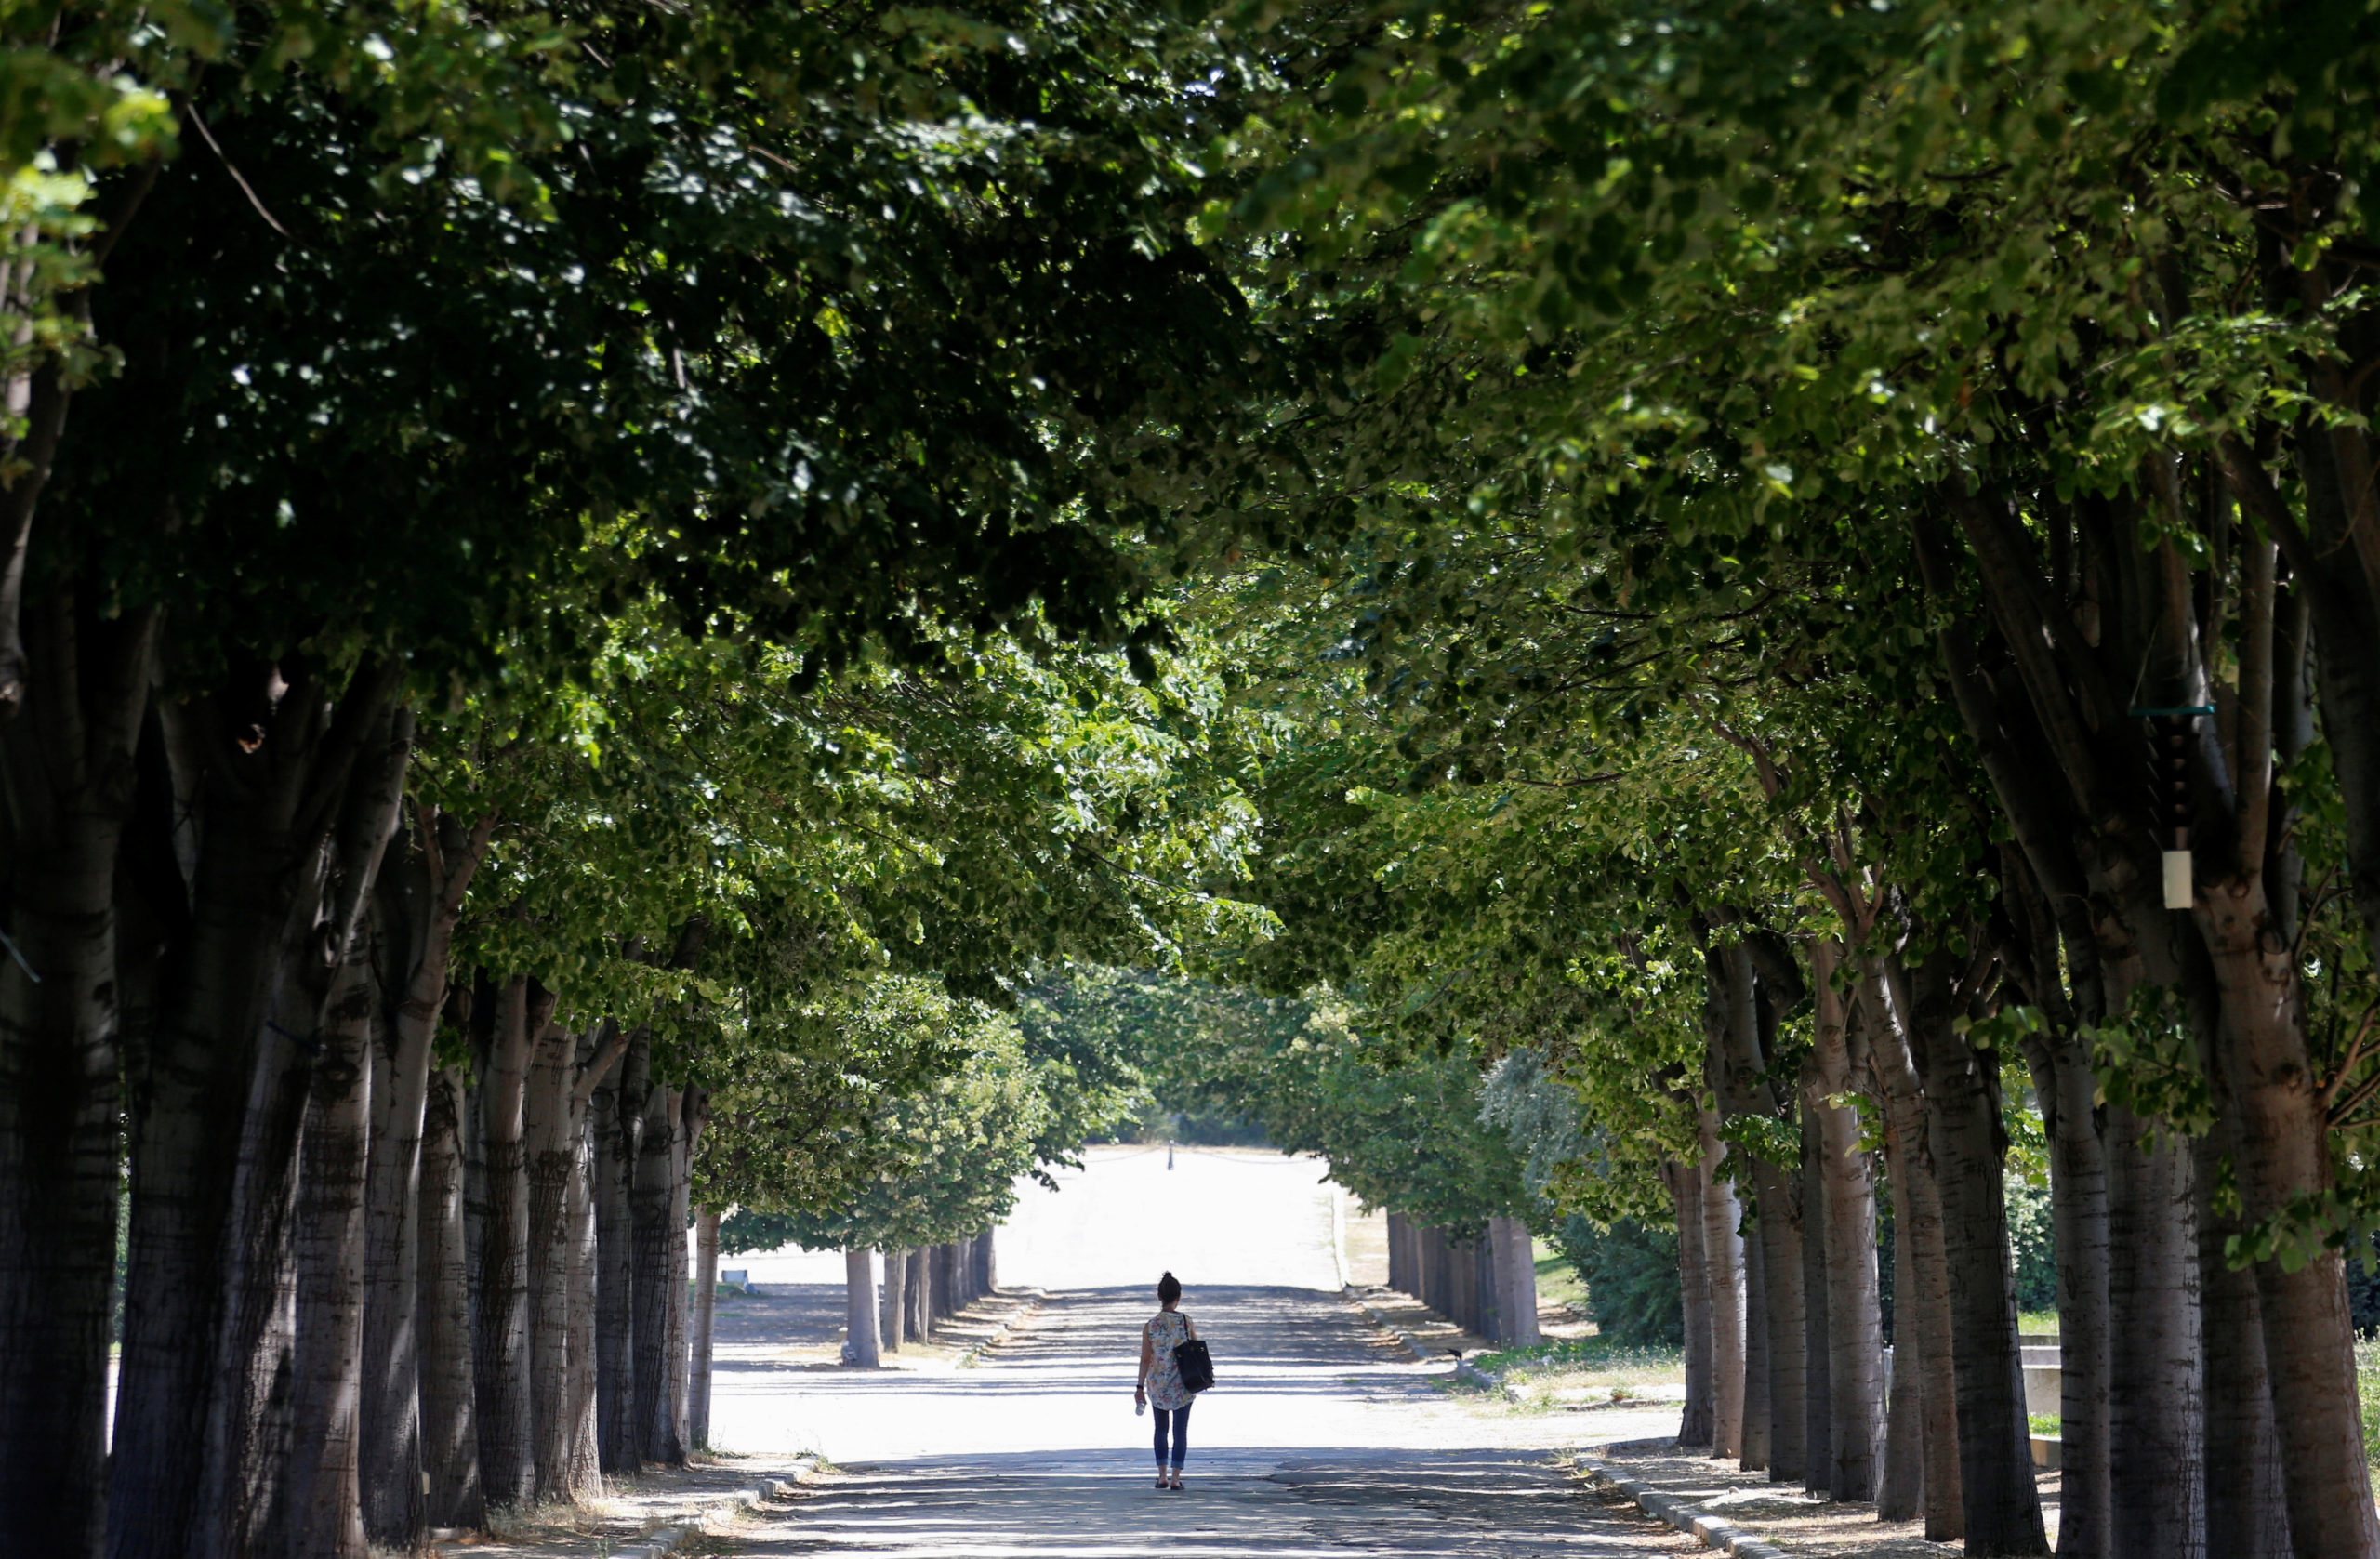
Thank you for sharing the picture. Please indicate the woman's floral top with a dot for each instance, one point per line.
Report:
(1168, 1331)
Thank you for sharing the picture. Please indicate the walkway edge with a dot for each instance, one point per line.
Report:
(1384, 1323)
(1713, 1531)
(976, 1351)
(669, 1540)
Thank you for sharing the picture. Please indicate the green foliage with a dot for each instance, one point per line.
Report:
(1632, 1277)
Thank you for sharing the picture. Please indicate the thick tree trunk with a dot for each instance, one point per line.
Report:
(619, 1117)
(2247, 1513)
(2003, 1512)
(1848, 1198)
(549, 1152)
(1685, 1181)
(501, 1365)
(1758, 1424)
(388, 1453)
(692, 1112)
(987, 1265)
(2283, 1136)
(889, 1306)
(2156, 1468)
(660, 1282)
(859, 1309)
(249, 1449)
(1817, 1393)
(921, 1291)
(68, 787)
(1516, 1288)
(326, 1515)
(2063, 1081)
(1785, 1296)
(421, 891)
(586, 1442)
(1900, 1491)
(1923, 1327)
(700, 1347)
(450, 1443)
(1723, 1257)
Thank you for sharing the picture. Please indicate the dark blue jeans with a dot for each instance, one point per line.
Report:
(1181, 1426)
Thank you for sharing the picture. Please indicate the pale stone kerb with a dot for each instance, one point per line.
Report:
(1710, 1530)
(1382, 1322)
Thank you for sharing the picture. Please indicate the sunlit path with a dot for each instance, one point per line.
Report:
(1319, 1439)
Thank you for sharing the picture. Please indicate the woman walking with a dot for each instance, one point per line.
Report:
(1160, 1385)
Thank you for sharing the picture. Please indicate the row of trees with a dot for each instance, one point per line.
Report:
(1816, 573)
(586, 629)
(1834, 617)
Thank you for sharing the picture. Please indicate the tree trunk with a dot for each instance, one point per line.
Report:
(2156, 1470)
(388, 1453)
(326, 1513)
(2247, 1513)
(859, 1309)
(450, 1441)
(421, 893)
(1818, 1393)
(660, 1284)
(501, 1365)
(889, 1301)
(1847, 1196)
(691, 1114)
(69, 785)
(921, 1290)
(700, 1347)
(1517, 1266)
(1900, 1491)
(1963, 1129)
(1759, 1424)
(585, 1441)
(550, 1153)
(987, 1264)
(1923, 1331)
(1685, 1181)
(2063, 1081)
(619, 1117)
(2284, 1134)
(250, 1448)
(1786, 1295)
(1723, 1257)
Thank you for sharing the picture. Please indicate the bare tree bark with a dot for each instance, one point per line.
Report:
(619, 1118)
(699, 1349)
(1723, 1258)
(1685, 1181)
(1922, 1312)
(892, 1309)
(501, 1367)
(326, 1511)
(1855, 1320)
(859, 1310)
(450, 1441)
(423, 893)
(70, 786)
(660, 1282)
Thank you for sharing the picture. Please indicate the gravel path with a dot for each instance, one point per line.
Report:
(1317, 1440)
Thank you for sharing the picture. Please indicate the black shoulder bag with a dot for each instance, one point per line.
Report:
(1190, 1360)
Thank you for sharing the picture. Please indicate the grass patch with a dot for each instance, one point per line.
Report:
(2043, 1423)
(1557, 1280)
(2037, 1323)
(1583, 1371)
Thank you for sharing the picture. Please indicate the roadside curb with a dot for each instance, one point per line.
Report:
(1034, 1298)
(669, 1540)
(1711, 1531)
(1348, 1293)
